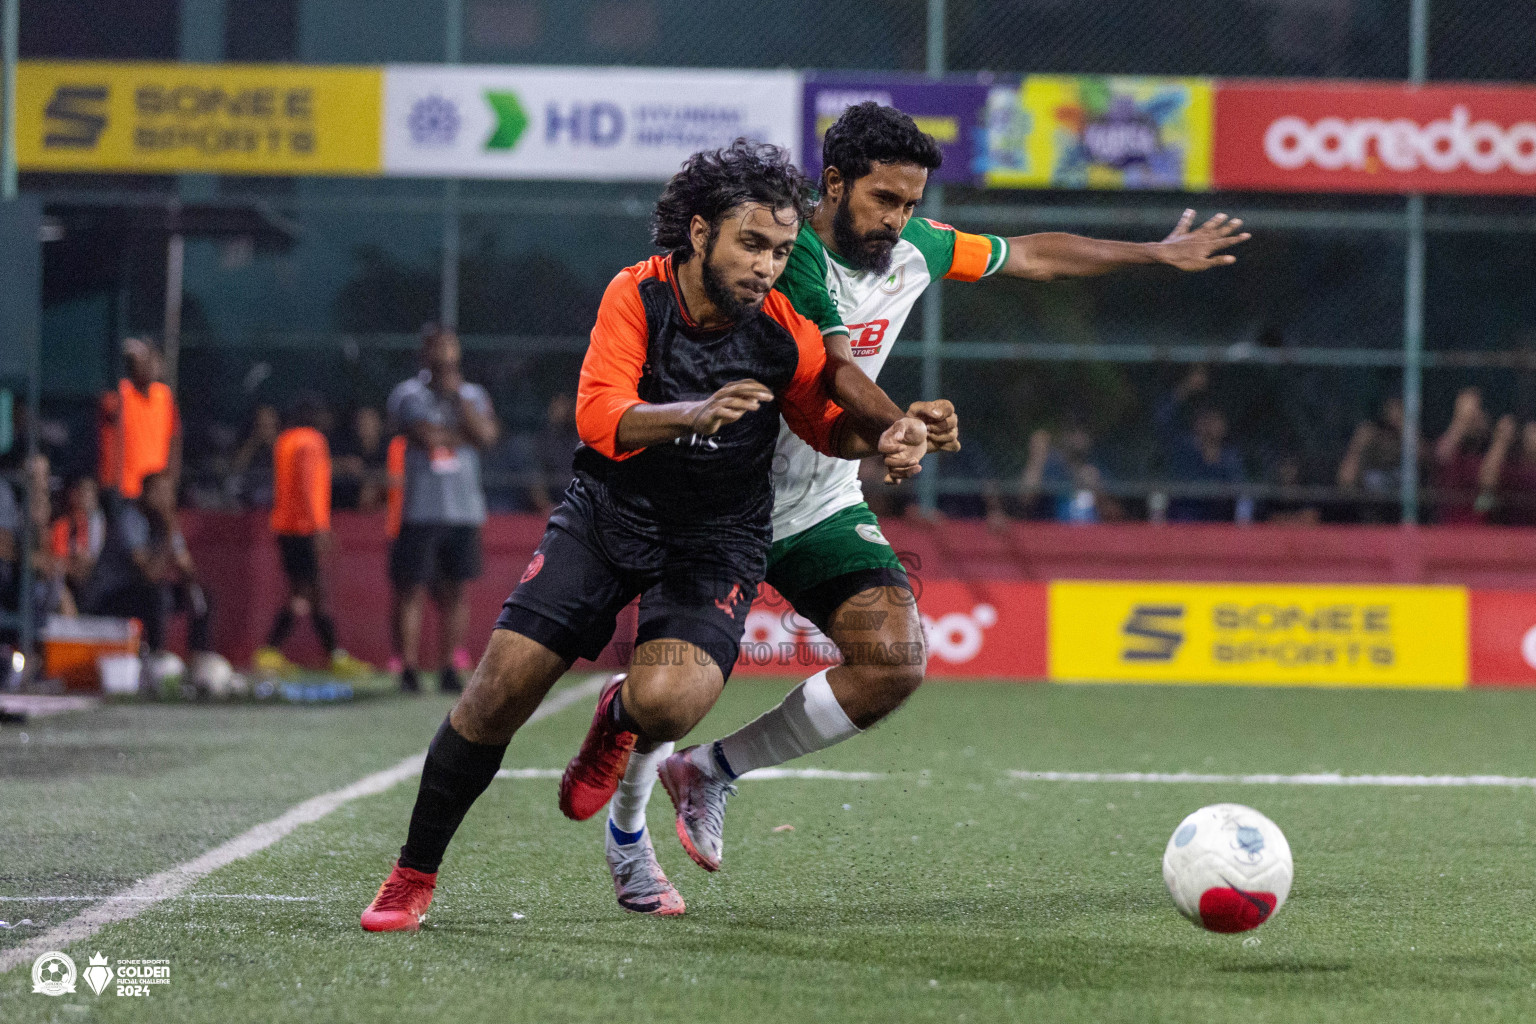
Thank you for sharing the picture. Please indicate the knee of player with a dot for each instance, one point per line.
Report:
(660, 717)
(896, 673)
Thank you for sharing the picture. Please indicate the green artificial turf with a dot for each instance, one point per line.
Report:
(946, 890)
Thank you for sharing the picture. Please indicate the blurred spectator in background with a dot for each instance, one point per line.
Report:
(48, 593)
(1062, 481)
(1373, 463)
(140, 426)
(10, 545)
(360, 474)
(301, 522)
(971, 465)
(553, 448)
(250, 480)
(145, 571)
(1459, 460)
(52, 595)
(447, 422)
(1198, 453)
(1290, 509)
(76, 537)
(1508, 476)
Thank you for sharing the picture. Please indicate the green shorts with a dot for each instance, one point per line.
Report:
(845, 554)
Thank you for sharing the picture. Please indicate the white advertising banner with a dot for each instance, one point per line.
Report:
(588, 124)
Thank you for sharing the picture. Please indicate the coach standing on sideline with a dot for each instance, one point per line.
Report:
(447, 422)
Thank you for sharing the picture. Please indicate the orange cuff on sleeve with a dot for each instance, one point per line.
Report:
(972, 254)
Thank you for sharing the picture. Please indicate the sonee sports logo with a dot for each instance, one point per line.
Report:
(76, 116)
(1154, 632)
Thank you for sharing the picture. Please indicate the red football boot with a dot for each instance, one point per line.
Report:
(402, 901)
(594, 773)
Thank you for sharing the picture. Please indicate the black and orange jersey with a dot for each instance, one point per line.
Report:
(646, 349)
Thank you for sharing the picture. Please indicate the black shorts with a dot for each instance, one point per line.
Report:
(427, 553)
(301, 558)
(574, 588)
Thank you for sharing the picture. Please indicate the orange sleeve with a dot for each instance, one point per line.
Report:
(317, 482)
(610, 373)
(805, 404)
(972, 255)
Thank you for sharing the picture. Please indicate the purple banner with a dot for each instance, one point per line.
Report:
(952, 110)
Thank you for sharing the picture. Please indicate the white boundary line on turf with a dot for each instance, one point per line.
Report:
(1315, 779)
(267, 898)
(134, 900)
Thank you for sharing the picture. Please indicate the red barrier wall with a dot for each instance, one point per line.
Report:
(238, 560)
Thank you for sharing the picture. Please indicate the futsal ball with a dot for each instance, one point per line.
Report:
(214, 677)
(167, 670)
(1228, 868)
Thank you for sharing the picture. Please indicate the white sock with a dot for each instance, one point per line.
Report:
(627, 808)
(808, 719)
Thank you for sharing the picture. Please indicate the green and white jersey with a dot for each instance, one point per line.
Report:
(871, 309)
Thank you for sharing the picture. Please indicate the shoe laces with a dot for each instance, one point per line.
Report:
(712, 811)
(398, 893)
(612, 754)
(639, 870)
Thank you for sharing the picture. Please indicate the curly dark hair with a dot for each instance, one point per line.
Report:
(868, 133)
(713, 182)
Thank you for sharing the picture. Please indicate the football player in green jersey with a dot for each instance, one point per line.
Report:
(857, 270)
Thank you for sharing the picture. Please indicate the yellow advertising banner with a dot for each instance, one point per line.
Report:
(141, 118)
(1262, 634)
(1101, 132)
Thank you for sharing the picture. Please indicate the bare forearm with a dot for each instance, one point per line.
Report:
(1053, 254)
(1445, 448)
(478, 427)
(870, 408)
(848, 439)
(645, 425)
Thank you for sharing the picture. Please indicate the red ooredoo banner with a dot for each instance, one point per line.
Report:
(1330, 137)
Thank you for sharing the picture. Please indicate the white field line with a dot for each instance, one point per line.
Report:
(266, 898)
(133, 901)
(761, 774)
(1315, 779)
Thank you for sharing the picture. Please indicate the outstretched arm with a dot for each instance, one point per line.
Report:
(1055, 254)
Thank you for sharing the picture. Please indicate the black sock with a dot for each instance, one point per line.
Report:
(456, 773)
(281, 627)
(325, 626)
(448, 680)
(620, 717)
(408, 681)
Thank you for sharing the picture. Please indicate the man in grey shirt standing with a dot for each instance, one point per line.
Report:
(447, 423)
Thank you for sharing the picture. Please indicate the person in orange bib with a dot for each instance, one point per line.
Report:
(140, 425)
(301, 521)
